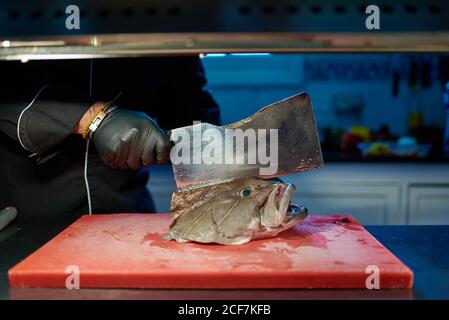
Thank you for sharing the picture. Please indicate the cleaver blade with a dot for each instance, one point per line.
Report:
(196, 152)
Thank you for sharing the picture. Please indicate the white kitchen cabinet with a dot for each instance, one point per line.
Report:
(369, 203)
(429, 204)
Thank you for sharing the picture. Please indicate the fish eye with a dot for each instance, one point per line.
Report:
(245, 193)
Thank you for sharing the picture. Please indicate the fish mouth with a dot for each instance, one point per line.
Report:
(283, 196)
(278, 211)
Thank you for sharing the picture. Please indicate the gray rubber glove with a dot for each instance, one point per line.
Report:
(129, 139)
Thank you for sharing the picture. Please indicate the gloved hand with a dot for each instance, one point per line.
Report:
(130, 139)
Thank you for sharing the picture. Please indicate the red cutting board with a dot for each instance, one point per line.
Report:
(126, 251)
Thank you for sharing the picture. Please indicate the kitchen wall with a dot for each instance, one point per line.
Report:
(242, 84)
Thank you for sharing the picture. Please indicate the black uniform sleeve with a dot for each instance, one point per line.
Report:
(189, 99)
(207, 109)
(41, 124)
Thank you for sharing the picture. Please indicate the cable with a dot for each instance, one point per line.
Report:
(86, 157)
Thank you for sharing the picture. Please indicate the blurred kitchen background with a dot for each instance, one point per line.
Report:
(381, 119)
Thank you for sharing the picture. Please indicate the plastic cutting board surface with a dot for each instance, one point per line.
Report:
(126, 251)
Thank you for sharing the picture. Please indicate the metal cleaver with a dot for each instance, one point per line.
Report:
(202, 152)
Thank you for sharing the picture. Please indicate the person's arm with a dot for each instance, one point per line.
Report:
(84, 121)
(126, 139)
(43, 121)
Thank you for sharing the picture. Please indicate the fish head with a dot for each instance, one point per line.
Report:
(235, 211)
(271, 206)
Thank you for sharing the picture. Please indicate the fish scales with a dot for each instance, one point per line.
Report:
(234, 211)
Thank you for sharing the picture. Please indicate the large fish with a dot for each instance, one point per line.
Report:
(233, 212)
